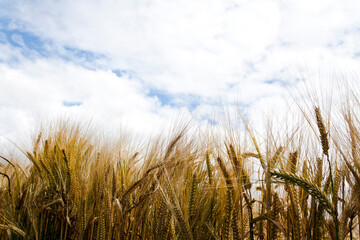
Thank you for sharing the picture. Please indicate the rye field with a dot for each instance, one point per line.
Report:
(302, 183)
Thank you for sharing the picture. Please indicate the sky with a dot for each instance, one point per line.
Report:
(138, 64)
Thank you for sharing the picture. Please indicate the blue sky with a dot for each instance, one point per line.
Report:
(139, 63)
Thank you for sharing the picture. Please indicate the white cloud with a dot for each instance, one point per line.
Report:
(18, 40)
(34, 92)
(179, 46)
(208, 50)
(2, 38)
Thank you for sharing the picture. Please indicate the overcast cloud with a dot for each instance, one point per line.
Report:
(137, 63)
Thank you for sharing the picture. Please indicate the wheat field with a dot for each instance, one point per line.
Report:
(302, 186)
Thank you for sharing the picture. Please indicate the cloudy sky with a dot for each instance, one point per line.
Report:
(140, 63)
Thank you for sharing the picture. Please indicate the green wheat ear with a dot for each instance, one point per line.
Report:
(309, 187)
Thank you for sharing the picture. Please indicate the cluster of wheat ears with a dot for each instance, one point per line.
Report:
(187, 187)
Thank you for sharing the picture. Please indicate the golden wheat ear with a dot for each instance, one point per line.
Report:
(323, 132)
